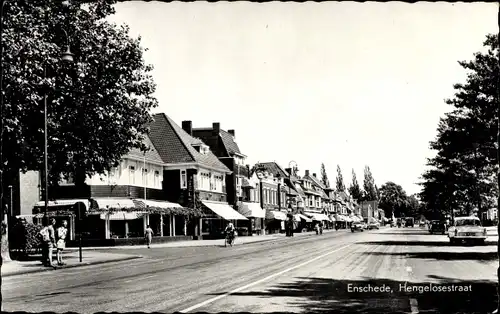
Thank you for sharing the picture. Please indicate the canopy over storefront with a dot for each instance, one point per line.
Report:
(117, 203)
(64, 202)
(122, 215)
(224, 210)
(274, 214)
(251, 210)
(299, 217)
(318, 216)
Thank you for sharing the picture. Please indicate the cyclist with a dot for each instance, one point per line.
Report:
(230, 231)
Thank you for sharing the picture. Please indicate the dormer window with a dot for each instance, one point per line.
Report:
(201, 148)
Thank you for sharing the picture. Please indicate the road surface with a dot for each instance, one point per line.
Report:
(371, 271)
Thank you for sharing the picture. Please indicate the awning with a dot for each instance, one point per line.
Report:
(158, 204)
(332, 218)
(225, 211)
(251, 210)
(318, 216)
(66, 202)
(300, 217)
(122, 215)
(117, 203)
(354, 218)
(347, 219)
(274, 214)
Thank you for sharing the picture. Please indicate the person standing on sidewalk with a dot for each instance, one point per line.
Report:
(61, 241)
(48, 243)
(148, 234)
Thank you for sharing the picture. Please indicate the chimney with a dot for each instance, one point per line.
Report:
(307, 172)
(216, 127)
(231, 132)
(188, 127)
(314, 175)
(289, 170)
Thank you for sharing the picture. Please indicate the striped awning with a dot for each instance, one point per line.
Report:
(318, 216)
(299, 217)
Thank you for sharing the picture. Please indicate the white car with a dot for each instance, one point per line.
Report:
(467, 229)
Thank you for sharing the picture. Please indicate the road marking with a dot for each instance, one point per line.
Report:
(194, 307)
(414, 306)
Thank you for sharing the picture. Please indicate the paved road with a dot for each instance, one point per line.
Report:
(308, 274)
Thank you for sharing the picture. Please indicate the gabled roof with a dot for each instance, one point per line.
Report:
(229, 143)
(274, 168)
(176, 146)
(316, 181)
(151, 155)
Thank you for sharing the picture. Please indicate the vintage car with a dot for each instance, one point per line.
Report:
(467, 229)
(357, 226)
(437, 226)
(373, 225)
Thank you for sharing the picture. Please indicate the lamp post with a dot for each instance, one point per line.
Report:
(66, 57)
(498, 160)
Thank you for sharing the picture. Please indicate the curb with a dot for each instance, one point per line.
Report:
(124, 248)
(22, 272)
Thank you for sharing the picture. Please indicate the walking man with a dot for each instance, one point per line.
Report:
(48, 243)
(148, 234)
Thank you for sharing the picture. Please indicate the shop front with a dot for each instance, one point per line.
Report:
(275, 221)
(255, 214)
(213, 225)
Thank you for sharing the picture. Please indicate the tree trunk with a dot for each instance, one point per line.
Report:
(5, 238)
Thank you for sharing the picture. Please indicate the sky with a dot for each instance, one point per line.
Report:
(339, 83)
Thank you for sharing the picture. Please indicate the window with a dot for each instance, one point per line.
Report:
(131, 179)
(145, 177)
(157, 179)
(266, 195)
(183, 179)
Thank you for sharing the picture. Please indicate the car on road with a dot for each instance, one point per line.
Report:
(437, 226)
(357, 226)
(373, 225)
(467, 229)
(409, 222)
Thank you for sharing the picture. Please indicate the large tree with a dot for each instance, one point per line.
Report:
(324, 176)
(354, 188)
(340, 180)
(371, 193)
(98, 106)
(462, 174)
(393, 200)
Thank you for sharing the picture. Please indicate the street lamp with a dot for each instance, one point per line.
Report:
(66, 57)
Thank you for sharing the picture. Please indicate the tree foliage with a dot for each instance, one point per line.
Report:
(324, 176)
(393, 200)
(371, 193)
(98, 107)
(462, 175)
(354, 188)
(340, 180)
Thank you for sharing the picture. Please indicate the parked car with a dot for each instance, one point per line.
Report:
(437, 226)
(357, 226)
(409, 222)
(373, 225)
(467, 229)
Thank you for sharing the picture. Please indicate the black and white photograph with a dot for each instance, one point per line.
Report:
(257, 157)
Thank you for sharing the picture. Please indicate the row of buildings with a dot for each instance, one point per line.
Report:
(188, 184)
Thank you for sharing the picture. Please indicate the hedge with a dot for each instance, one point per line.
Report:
(25, 238)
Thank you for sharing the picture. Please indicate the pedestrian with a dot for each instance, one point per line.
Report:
(61, 241)
(48, 243)
(148, 235)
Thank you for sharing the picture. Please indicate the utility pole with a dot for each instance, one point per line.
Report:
(498, 159)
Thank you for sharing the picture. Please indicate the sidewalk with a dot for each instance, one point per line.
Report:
(70, 258)
(218, 242)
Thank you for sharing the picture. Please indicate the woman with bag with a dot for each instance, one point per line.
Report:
(61, 241)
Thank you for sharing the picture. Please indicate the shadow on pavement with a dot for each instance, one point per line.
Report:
(422, 243)
(447, 256)
(321, 295)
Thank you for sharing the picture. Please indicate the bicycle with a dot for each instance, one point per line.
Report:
(229, 239)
